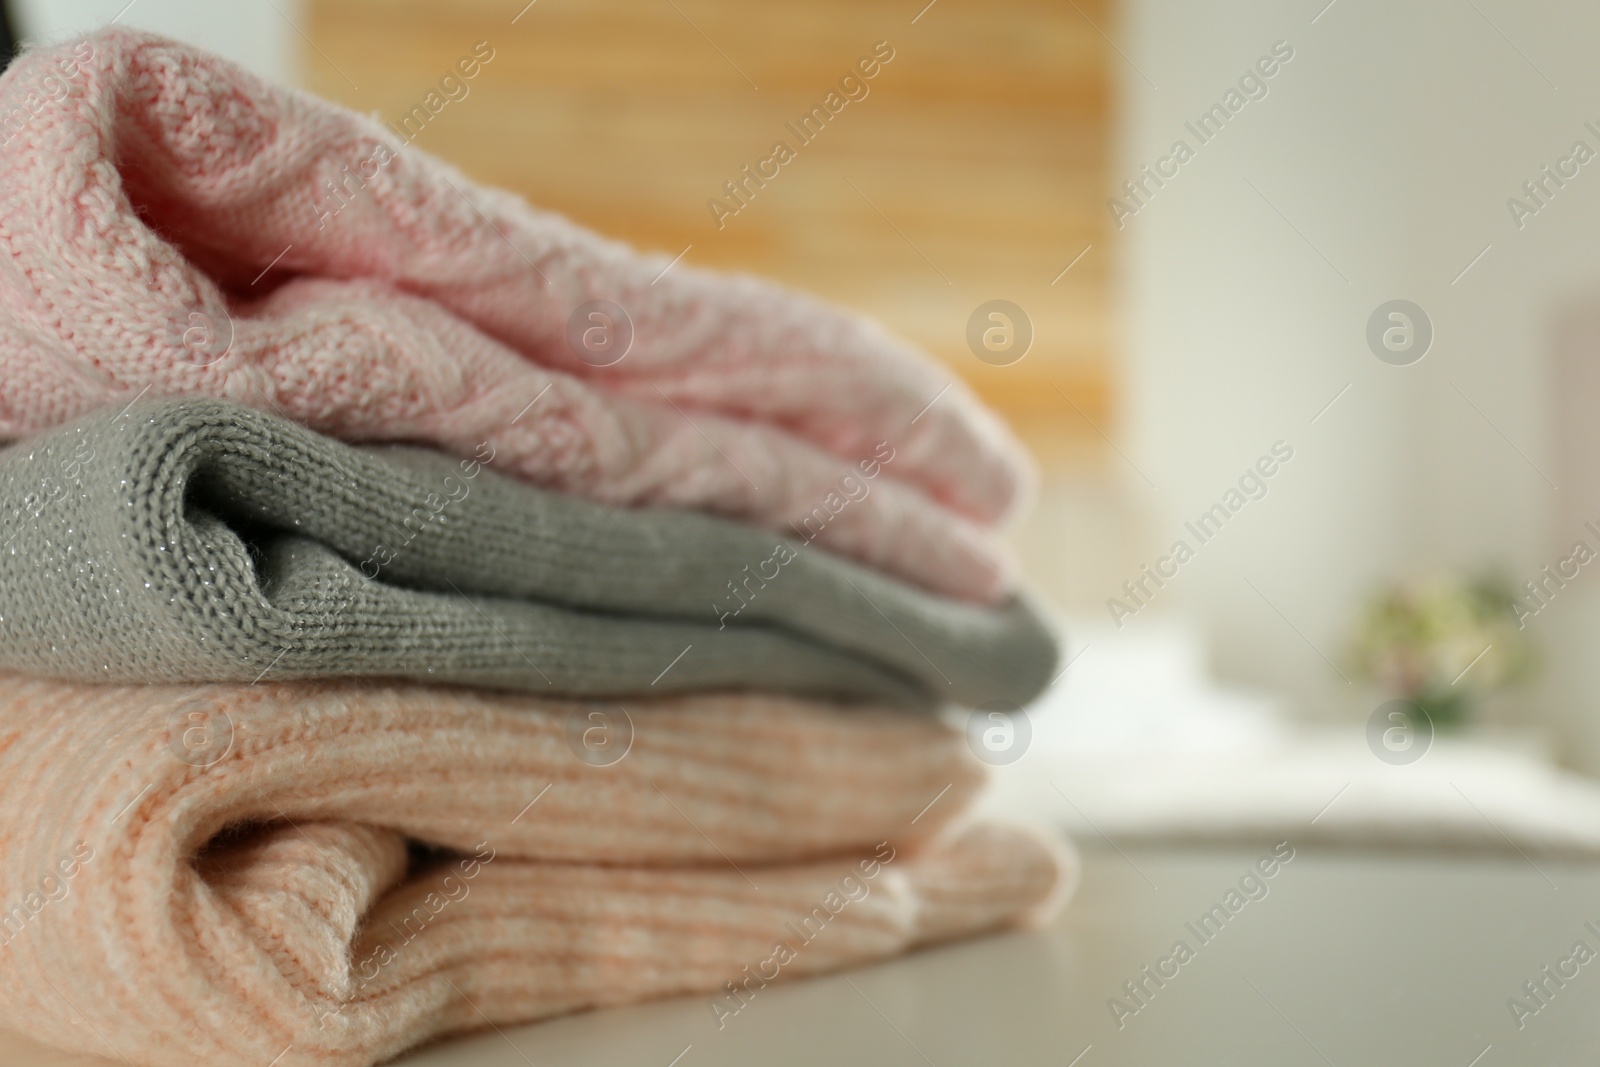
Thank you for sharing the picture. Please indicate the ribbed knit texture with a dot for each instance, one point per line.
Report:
(195, 540)
(139, 215)
(221, 874)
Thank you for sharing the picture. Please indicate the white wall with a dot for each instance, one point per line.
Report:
(1239, 331)
(258, 34)
(1391, 142)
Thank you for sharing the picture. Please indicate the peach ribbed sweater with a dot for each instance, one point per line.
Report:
(222, 874)
(146, 188)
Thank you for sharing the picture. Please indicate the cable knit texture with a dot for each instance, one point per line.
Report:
(196, 540)
(165, 226)
(330, 873)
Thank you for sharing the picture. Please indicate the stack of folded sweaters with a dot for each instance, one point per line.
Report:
(384, 659)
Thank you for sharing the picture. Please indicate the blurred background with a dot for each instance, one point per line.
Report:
(1196, 313)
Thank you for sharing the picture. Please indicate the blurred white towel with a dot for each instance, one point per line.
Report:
(1134, 744)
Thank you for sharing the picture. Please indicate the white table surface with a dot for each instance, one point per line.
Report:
(1353, 959)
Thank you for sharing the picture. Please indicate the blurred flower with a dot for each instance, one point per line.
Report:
(1442, 641)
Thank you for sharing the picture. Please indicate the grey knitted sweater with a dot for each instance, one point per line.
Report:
(195, 540)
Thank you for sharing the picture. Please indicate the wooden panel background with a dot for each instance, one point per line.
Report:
(976, 167)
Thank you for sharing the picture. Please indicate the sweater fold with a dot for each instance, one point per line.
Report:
(332, 873)
(195, 540)
(162, 231)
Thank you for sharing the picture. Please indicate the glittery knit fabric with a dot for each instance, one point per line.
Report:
(232, 874)
(197, 540)
(165, 224)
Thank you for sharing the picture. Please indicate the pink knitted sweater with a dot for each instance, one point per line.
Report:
(168, 223)
(221, 874)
